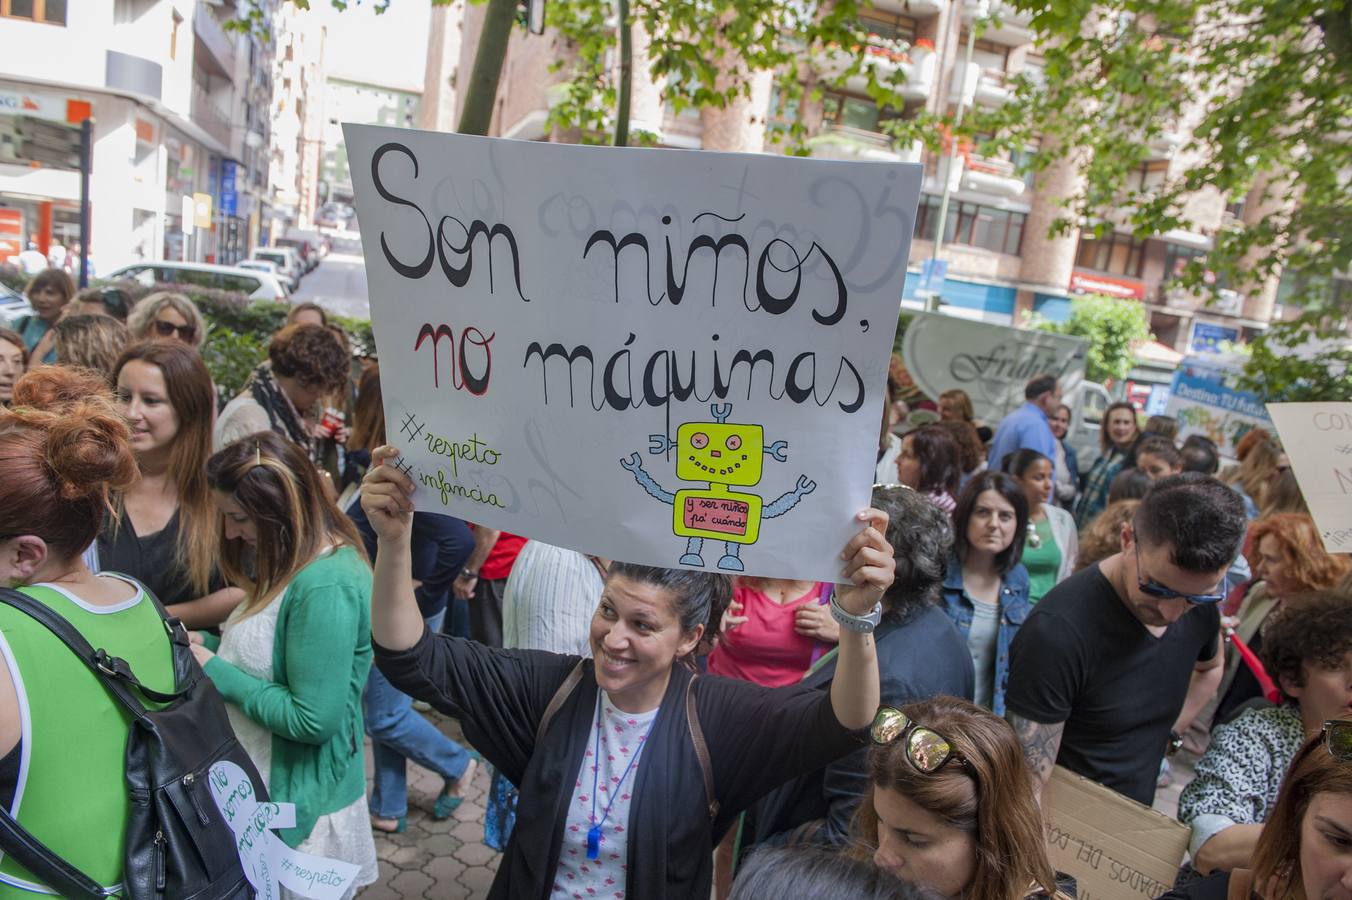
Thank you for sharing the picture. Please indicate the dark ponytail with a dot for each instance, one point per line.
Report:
(700, 597)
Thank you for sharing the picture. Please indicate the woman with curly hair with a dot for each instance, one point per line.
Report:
(1102, 537)
(1290, 557)
(1307, 649)
(950, 804)
(91, 342)
(305, 362)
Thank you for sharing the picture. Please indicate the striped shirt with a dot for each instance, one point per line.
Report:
(550, 597)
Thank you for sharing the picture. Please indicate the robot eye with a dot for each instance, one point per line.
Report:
(699, 440)
(734, 442)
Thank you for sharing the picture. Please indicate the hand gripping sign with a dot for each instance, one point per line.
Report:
(268, 863)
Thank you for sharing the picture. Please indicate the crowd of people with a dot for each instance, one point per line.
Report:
(1002, 610)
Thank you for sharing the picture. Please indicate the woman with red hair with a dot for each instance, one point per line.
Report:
(1288, 554)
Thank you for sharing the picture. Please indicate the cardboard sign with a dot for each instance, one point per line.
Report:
(666, 357)
(1115, 848)
(1204, 405)
(1317, 438)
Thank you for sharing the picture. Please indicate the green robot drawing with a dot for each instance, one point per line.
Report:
(724, 455)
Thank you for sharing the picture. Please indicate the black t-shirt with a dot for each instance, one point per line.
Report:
(1084, 659)
(151, 559)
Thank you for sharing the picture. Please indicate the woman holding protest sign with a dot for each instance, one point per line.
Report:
(707, 749)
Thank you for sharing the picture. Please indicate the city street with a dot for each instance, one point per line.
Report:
(339, 282)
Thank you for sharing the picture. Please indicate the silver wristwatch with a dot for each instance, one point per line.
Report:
(862, 624)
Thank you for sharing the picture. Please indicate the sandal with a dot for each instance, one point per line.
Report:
(447, 802)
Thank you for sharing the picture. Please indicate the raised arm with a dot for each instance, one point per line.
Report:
(1041, 744)
(870, 568)
(387, 499)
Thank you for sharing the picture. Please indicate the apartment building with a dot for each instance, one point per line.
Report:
(181, 126)
(297, 119)
(357, 101)
(1001, 263)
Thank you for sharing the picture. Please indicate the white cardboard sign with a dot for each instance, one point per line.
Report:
(667, 357)
(1317, 437)
(268, 863)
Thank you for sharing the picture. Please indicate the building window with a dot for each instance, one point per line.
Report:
(1176, 259)
(988, 54)
(1149, 176)
(854, 112)
(1115, 254)
(888, 26)
(997, 230)
(53, 12)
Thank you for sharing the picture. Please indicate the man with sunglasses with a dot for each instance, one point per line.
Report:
(1120, 657)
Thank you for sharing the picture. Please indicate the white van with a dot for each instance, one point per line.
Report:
(287, 261)
(258, 285)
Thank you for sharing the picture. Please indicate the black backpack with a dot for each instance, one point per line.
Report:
(178, 845)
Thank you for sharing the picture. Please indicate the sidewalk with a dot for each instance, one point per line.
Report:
(437, 860)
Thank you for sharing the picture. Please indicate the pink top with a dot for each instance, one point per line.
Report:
(765, 649)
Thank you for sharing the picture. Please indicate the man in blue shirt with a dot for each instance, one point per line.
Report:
(1028, 427)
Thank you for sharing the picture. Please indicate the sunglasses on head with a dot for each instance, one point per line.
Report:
(167, 329)
(1338, 739)
(926, 749)
(1151, 588)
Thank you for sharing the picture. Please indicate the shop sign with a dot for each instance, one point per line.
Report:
(1087, 283)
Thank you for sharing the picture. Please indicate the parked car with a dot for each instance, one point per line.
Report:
(258, 285)
(307, 251)
(288, 262)
(264, 265)
(13, 304)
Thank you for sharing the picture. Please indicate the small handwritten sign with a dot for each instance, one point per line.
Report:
(1115, 848)
(648, 355)
(268, 863)
(1317, 437)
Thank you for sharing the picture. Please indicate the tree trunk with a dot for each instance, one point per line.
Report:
(626, 76)
(482, 91)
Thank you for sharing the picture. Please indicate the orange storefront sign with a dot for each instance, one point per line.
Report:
(1093, 283)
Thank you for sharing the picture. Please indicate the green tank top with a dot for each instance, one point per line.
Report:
(72, 792)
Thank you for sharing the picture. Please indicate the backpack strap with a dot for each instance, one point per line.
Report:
(114, 672)
(701, 748)
(39, 859)
(561, 695)
(1241, 885)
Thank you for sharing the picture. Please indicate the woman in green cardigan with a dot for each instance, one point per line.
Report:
(292, 659)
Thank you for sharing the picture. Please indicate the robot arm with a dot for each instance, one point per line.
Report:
(779, 450)
(635, 464)
(788, 501)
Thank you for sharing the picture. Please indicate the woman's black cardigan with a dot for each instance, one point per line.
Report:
(758, 738)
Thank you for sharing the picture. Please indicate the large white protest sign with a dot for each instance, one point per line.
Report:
(268, 863)
(1317, 438)
(659, 356)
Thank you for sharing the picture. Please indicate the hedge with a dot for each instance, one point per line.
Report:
(238, 329)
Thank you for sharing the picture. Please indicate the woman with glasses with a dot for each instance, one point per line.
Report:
(986, 590)
(1052, 544)
(1307, 649)
(1304, 851)
(950, 804)
(681, 756)
(169, 316)
(164, 534)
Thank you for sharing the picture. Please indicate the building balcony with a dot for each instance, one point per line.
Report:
(1006, 25)
(985, 87)
(843, 142)
(885, 59)
(987, 175)
(214, 49)
(209, 115)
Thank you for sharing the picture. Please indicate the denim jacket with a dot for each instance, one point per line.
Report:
(1014, 609)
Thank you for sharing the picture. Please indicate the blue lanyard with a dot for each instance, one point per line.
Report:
(594, 833)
